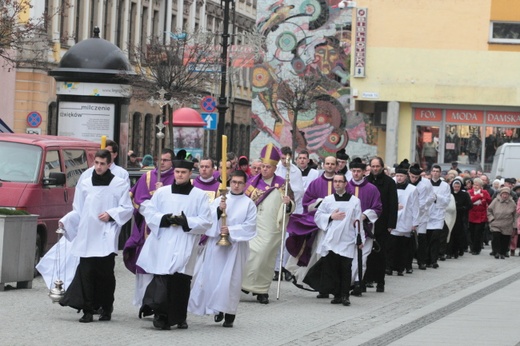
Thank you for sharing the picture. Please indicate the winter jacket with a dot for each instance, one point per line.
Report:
(478, 214)
(501, 215)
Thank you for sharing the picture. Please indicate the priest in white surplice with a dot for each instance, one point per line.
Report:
(407, 221)
(101, 207)
(176, 216)
(216, 290)
(336, 216)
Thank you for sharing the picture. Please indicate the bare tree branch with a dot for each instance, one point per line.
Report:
(23, 39)
(297, 95)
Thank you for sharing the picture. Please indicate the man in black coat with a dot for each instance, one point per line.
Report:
(376, 262)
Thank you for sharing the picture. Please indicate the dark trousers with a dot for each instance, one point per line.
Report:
(339, 267)
(97, 282)
(412, 248)
(433, 240)
(377, 261)
(422, 246)
(500, 243)
(476, 230)
(167, 296)
(398, 252)
(443, 241)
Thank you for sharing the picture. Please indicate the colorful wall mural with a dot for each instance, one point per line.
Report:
(306, 38)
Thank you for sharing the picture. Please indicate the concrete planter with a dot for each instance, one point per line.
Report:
(17, 249)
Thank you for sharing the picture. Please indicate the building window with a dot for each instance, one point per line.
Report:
(52, 119)
(136, 133)
(149, 134)
(504, 32)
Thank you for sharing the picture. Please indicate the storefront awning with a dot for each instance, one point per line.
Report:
(4, 128)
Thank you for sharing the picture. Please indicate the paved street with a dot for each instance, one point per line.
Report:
(473, 300)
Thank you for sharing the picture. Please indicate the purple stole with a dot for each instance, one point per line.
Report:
(258, 190)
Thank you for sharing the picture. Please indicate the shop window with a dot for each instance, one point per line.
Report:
(427, 146)
(463, 143)
(504, 32)
(495, 137)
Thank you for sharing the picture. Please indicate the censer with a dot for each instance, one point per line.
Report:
(58, 291)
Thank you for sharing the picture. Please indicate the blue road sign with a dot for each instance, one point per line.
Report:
(211, 120)
(34, 119)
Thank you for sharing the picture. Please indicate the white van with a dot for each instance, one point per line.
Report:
(506, 162)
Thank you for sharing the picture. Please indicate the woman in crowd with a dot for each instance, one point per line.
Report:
(477, 215)
(501, 216)
(458, 243)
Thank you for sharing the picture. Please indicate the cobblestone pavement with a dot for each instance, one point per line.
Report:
(413, 308)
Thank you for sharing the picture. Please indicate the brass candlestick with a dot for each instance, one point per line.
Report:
(224, 238)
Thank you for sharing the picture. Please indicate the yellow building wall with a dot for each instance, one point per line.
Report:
(423, 51)
(34, 91)
(405, 133)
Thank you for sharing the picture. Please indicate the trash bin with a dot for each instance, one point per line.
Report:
(17, 249)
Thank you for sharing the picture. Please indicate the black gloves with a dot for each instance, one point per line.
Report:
(175, 220)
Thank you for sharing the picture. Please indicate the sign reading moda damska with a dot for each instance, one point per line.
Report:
(86, 120)
(468, 116)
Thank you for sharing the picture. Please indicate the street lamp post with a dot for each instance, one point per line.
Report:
(222, 100)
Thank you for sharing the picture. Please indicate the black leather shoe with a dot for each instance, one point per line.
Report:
(287, 275)
(322, 295)
(228, 322)
(105, 316)
(144, 311)
(86, 318)
(275, 277)
(422, 266)
(161, 322)
(435, 266)
(409, 271)
(336, 300)
(356, 291)
(345, 301)
(263, 298)
(388, 272)
(400, 273)
(182, 325)
(380, 288)
(219, 317)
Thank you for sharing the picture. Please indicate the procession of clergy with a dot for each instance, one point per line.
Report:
(345, 230)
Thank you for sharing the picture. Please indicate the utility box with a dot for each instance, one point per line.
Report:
(17, 249)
